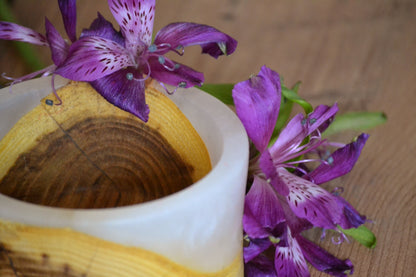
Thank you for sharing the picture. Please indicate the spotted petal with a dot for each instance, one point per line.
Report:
(58, 45)
(128, 95)
(183, 34)
(311, 202)
(324, 261)
(69, 15)
(12, 31)
(257, 103)
(91, 58)
(289, 260)
(342, 162)
(135, 18)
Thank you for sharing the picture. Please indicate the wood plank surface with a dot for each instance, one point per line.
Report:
(361, 54)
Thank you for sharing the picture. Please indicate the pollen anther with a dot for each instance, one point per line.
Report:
(129, 76)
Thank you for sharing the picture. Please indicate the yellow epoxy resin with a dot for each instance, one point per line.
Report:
(34, 251)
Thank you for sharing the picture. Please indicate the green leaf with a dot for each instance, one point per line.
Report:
(292, 95)
(284, 114)
(286, 106)
(357, 121)
(221, 91)
(361, 234)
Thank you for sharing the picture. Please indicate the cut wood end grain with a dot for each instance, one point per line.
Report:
(87, 153)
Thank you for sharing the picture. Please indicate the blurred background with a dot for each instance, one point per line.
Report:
(361, 54)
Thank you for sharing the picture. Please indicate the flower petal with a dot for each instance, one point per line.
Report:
(296, 224)
(342, 162)
(289, 138)
(350, 217)
(262, 207)
(257, 103)
(324, 261)
(69, 15)
(102, 28)
(58, 45)
(321, 117)
(183, 34)
(91, 58)
(289, 260)
(299, 128)
(135, 18)
(255, 248)
(128, 95)
(310, 201)
(261, 266)
(268, 168)
(12, 31)
(180, 75)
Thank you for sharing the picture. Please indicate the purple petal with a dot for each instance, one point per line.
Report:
(289, 260)
(299, 128)
(12, 31)
(268, 168)
(342, 162)
(58, 45)
(321, 117)
(183, 34)
(289, 138)
(295, 223)
(257, 103)
(255, 248)
(252, 226)
(128, 95)
(350, 217)
(310, 201)
(91, 58)
(175, 74)
(324, 261)
(135, 18)
(261, 266)
(100, 27)
(262, 209)
(69, 15)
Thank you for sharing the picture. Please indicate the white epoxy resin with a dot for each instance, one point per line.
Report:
(199, 227)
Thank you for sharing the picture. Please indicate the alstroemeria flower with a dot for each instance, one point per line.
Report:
(262, 219)
(118, 68)
(59, 47)
(269, 222)
(285, 194)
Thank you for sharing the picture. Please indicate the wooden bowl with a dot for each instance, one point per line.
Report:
(89, 190)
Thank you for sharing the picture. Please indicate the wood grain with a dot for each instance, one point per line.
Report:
(38, 252)
(86, 153)
(360, 54)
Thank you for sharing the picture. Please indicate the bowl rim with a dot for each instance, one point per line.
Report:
(222, 132)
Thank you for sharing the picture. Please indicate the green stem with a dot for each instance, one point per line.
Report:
(26, 51)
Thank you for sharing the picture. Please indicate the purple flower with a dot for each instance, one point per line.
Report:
(285, 197)
(118, 63)
(59, 47)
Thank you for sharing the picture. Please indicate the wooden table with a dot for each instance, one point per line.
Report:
(361, 54)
